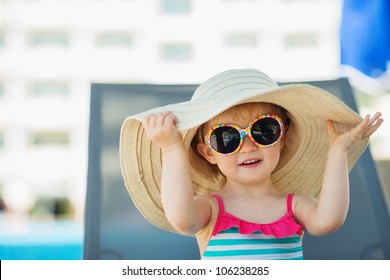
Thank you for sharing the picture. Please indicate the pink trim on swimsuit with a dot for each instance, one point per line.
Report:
(285, 226)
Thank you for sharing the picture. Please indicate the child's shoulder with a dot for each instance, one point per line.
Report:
(302, 203)
(207, 201)
(201, 197)
(302, 198)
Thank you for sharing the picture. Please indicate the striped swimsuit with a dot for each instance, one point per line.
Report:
(233, 238)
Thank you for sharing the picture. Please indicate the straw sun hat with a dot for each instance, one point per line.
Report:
(302, 162)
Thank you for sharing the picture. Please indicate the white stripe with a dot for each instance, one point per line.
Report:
(244, 236)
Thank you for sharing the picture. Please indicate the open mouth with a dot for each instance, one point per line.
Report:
(250, 162)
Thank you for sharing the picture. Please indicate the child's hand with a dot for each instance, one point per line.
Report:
(349, 138)
(161, 129)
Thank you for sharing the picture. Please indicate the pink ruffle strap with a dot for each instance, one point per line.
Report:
(285, 226)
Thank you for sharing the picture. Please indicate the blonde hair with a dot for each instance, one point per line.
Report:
(239, 112)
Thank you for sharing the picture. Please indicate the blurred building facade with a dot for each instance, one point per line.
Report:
(52, 50)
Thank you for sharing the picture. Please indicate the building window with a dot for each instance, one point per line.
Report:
(300, 40)
(176, 52)
(175, 6)
(114, 39)
(241, 40)
(48, 88)
(46, 38)
(48, 138)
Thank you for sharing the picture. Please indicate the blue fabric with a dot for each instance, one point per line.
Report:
(365, 35)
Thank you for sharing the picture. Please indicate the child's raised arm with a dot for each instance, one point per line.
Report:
(184, 212)
(329, 213)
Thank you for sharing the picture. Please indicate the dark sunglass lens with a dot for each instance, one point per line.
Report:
(225, 139)
(266, 131)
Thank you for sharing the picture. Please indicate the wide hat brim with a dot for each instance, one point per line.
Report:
(302, 162)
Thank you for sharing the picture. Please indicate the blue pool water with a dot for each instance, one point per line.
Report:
(41, 240)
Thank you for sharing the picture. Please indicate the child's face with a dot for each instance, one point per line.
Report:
(251, 164)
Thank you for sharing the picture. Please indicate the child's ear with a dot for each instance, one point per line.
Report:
(205, 151)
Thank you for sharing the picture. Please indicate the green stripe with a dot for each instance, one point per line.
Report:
(227, 242)
(235, 230)
(230, 253)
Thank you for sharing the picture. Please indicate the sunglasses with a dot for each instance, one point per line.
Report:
(227, 138)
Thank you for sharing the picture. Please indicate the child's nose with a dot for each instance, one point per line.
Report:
(248, 146)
